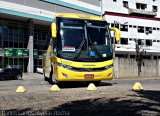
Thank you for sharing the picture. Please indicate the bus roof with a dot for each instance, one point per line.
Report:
(80, 16)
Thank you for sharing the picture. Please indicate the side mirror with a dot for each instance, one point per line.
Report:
(54, 30)
(117, 32)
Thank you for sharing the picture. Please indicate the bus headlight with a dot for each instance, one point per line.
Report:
(64, 66)
(67, 67)
(109, 66)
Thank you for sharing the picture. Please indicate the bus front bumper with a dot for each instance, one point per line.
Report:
(71, 75)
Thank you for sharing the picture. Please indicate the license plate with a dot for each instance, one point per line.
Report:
(89, 76)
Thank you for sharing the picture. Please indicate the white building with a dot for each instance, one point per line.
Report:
(138, 20)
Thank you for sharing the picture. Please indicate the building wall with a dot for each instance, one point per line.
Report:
(60, 5)
(15, 34)
(130, 69)
(93, 2)
(117, 15)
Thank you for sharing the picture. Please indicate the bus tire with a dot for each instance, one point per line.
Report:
(45, 78)
(51, 79)
(96, 82)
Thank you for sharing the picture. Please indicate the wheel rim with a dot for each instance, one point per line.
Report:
(19, 77)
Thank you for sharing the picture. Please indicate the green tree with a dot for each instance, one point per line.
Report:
(139, 57)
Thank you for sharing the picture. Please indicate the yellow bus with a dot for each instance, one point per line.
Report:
(80, 49)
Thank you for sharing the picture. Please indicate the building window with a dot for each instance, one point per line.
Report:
(125, 4)
(132, 56)
(124, 41)
(141, 42)
(148, 42)
(115, 25)
(147, 57)
(154, 28)
(148, 30)
(112, 24)
(134, 26)
(140, 29)
(154, 8)
(124, 27)
(114, 0)
(121, 55)
(14, 34)
(141, 6)
(155, 57)
(114, 40)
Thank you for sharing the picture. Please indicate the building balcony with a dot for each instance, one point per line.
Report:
(142, 12)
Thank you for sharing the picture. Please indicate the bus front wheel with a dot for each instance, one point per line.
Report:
(96, 82)
(51, 79)
(45, 78)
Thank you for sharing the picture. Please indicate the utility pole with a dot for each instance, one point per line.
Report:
(100, 1)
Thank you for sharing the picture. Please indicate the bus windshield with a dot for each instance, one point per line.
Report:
(83, 40)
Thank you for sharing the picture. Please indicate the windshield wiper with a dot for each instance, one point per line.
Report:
(93, 47)
(80, 50)
(82, 43)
